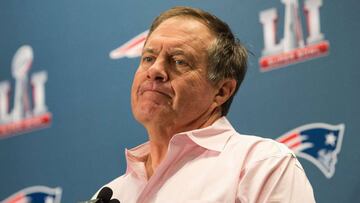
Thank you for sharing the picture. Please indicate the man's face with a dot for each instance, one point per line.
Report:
(170, 87)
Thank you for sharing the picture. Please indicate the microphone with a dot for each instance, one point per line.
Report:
(104, 196)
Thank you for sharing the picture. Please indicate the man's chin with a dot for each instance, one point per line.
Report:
(149, 115)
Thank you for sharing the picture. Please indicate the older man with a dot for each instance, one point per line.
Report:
(190, 69)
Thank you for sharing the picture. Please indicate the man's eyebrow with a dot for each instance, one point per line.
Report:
(175, 52)
(150, 50)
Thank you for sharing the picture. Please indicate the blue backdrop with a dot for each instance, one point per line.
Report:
(65, 115)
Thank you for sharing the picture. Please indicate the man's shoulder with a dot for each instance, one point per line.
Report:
(253, 144)
(257, 148)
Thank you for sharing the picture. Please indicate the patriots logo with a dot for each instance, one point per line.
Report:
(319, 143)
(130, 49)
(35, 194)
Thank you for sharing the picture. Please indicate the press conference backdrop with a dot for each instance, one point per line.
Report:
(66, 69)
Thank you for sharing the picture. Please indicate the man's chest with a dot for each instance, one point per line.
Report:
(202, 178)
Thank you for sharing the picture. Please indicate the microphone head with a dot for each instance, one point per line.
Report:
(114, 201)
(105, 194)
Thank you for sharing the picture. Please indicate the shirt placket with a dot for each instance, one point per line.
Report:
(176, 150)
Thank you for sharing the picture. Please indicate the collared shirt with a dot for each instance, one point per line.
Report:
(215, 164)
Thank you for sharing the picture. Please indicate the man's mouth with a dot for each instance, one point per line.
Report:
(156, 88)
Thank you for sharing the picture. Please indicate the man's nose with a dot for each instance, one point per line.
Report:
(157, 71)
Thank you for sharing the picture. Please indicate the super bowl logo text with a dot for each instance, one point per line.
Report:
(292, 47)
(26, 114)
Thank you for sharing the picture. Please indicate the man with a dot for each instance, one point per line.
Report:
(190, 69)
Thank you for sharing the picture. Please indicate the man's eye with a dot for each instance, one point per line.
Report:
(180, 62)
(147, 59)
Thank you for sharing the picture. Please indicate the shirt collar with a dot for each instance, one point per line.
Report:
(136, 157)
(213, 137)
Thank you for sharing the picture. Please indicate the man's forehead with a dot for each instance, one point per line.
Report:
(171, 50)
(184, 49)
(178, 33)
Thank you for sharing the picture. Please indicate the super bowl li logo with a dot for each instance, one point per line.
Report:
(27, 113)
(292, 48)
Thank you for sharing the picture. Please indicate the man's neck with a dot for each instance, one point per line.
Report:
(159, 138)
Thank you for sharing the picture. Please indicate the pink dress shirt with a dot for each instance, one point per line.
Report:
(215, 164)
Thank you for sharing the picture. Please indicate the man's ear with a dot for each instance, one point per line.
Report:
(226, 89)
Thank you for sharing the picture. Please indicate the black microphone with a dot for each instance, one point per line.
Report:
(104, 196)
(114, 201)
